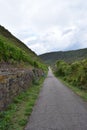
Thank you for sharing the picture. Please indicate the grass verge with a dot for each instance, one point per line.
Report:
(78, 91)
(17, 114)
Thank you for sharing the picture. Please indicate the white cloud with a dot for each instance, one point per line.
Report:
(46, 25)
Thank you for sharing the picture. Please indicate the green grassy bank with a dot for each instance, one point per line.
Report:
(17, 114)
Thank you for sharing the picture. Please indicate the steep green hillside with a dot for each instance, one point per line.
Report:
(68, 56)
(13, 51)
(6, 36)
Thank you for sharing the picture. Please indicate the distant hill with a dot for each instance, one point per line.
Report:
(69, 56)
(12, 50)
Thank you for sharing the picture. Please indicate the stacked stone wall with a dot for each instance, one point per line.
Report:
(13, 82)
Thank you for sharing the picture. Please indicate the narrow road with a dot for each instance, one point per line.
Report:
(58, 108)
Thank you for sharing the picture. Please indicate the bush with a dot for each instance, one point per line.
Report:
(75, 73)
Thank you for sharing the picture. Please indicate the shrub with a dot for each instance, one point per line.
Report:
(75, 73)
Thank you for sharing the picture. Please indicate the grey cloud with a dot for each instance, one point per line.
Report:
(46, 25)
(67, 31)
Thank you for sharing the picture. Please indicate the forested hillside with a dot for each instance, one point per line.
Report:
(67, 56)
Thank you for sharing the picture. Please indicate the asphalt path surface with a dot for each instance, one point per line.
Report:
(58, 108)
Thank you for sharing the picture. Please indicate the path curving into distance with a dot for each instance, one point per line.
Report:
(58, 108)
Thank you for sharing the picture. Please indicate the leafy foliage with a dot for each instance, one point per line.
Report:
(12, 53)
(74, 73)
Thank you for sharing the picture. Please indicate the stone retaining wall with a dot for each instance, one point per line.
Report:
(13, 82)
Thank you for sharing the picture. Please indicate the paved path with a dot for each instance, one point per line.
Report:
(58, 108)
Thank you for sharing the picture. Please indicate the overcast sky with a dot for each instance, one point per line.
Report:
(46, 25)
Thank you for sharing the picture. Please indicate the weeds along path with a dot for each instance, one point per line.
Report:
(58, 108)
